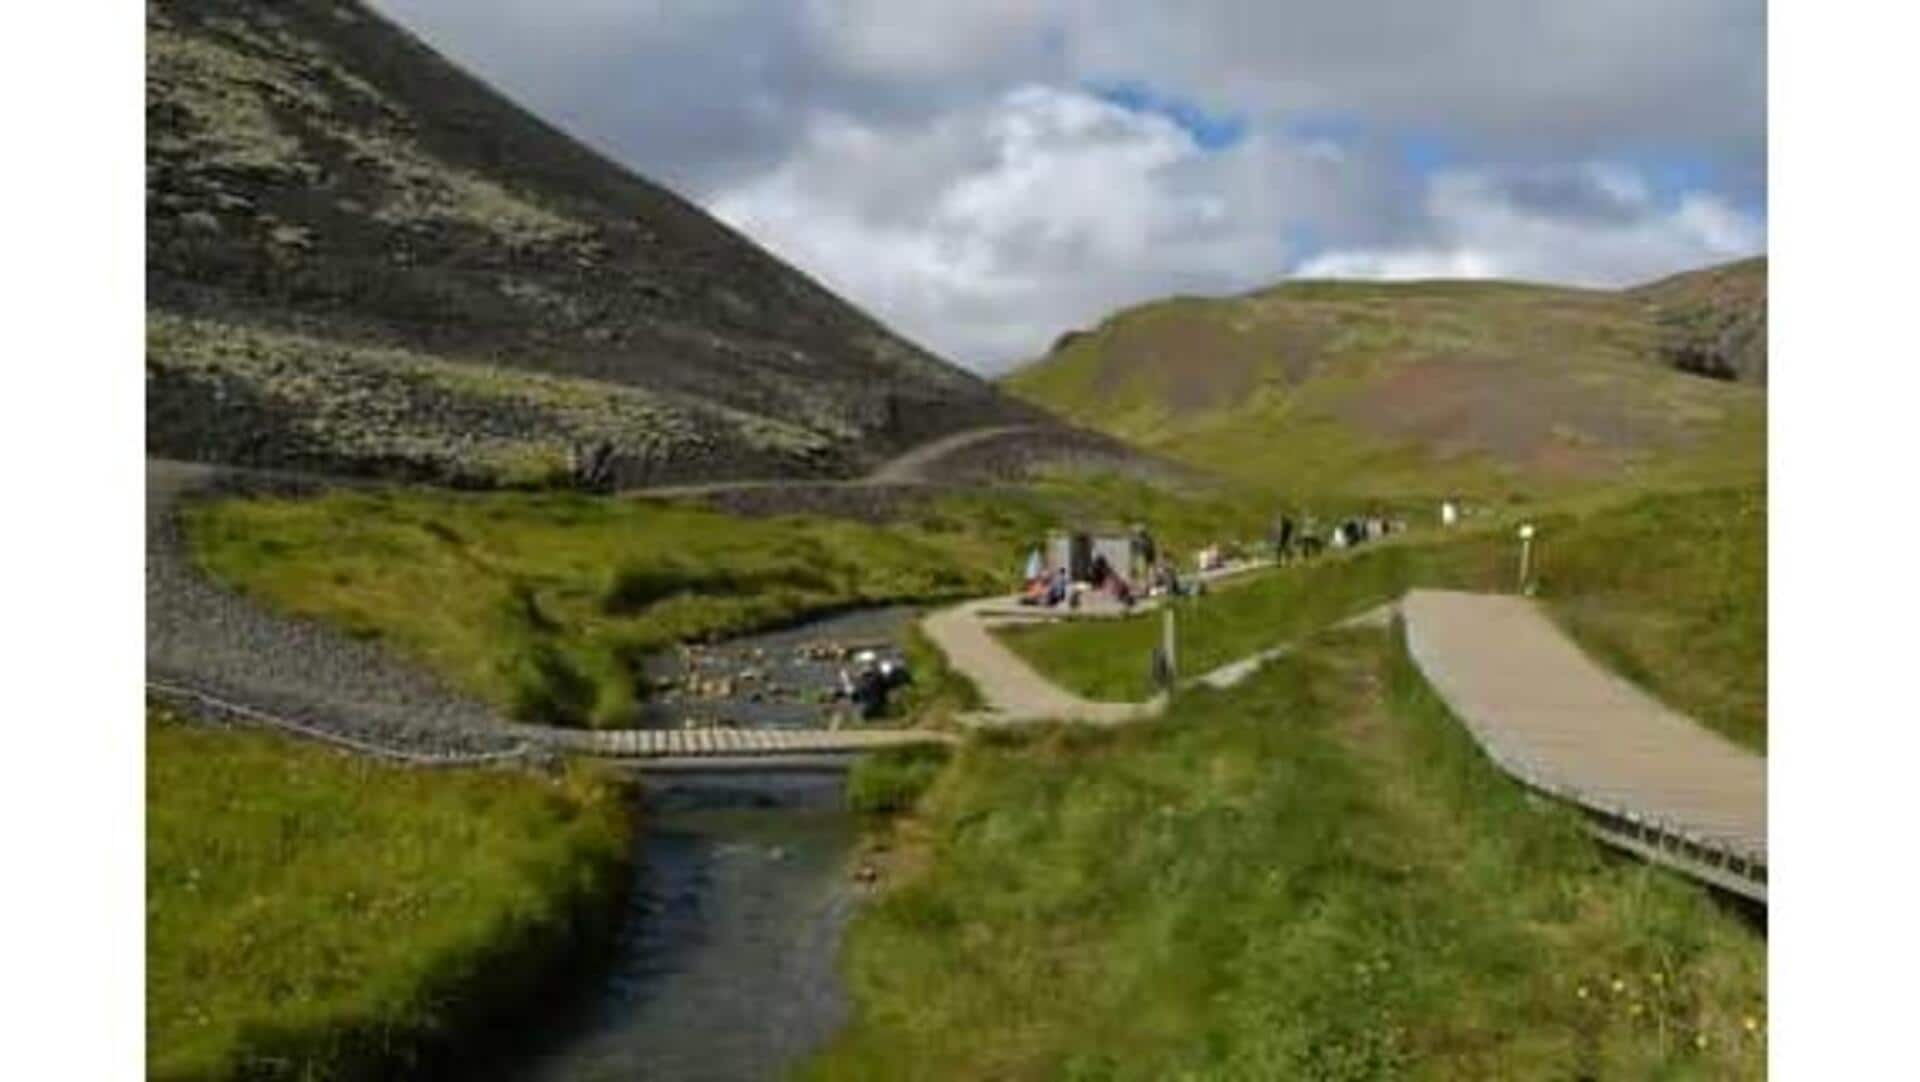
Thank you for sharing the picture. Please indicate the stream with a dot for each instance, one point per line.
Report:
(725, 964)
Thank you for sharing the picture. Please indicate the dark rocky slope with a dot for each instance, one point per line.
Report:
(1713, 322)
(363, 260)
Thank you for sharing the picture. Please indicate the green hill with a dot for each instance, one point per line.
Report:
(360, 259)
(1398, 390)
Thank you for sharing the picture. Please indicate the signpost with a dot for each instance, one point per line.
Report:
(1526, 558)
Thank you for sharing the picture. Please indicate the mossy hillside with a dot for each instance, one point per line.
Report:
(312, 168)
(311, 915)
(1668, 589)
(1314, 875)
(288, 399)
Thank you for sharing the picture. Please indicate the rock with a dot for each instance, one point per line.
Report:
(200, 221)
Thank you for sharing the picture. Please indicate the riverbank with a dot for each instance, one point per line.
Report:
(1314, 874)
(311, 914)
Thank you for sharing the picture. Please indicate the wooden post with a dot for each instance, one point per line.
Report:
(1166, 640)
(1526, 556)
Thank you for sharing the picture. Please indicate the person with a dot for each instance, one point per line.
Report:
(1143, 541)
(1449, 513)
(1057, 590)
(1097, 578)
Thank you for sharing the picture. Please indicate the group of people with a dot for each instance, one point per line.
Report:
(1050, 587)
(1300, 540)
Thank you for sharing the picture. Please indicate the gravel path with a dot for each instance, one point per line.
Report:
(1014, 692)
(207, 645)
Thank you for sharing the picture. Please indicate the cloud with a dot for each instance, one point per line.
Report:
(985, 174)
(1594, 224)
(990, 232)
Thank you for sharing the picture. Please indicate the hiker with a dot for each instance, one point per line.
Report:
(1283, 539)
(1149, 552)
(1101, 570)
(1449, 513)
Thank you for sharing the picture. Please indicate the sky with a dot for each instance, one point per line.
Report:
(984, 175)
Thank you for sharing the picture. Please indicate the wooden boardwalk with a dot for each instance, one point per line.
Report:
(724, 743)
(1650, 780)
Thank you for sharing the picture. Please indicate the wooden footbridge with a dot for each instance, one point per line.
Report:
(721, 748)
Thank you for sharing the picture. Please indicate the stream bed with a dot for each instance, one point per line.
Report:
(785, 678)
(725, 967)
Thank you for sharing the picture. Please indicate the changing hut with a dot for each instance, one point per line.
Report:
(1076, 549)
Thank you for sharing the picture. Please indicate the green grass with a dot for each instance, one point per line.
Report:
(893, 780)
(1668, 589)
(1312, 876)
(311, 915)
(545, 603)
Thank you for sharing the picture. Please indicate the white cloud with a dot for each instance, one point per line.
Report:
(992, 231)
(1605, 226)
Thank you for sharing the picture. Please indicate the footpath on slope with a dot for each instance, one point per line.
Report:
(911, 467)
(1660, 784)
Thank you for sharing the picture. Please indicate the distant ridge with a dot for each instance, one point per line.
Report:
(1411, 388)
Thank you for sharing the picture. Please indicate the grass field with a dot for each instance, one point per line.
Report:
(1315, 875)
(545, 604)
(1667, 589)
(315, 916)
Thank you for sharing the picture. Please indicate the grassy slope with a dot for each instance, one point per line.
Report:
(312, 910)
(1668, 589)
(543, 603)
(1407, 390)
(1313, 876)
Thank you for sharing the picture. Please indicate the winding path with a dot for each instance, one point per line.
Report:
(1652, 781)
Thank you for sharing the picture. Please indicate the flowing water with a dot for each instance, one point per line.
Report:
(725, 965)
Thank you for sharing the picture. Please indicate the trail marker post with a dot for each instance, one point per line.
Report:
(1167, 643)
(1526, 557)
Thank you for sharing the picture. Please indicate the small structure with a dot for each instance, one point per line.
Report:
(1078, 549)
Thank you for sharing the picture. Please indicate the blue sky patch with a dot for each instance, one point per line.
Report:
(1212, 131)
(1425, 153)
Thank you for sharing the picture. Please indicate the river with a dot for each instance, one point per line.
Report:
(725, 967)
